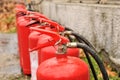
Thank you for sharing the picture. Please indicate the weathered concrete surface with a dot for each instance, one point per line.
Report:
(9, 66)
(100, 24)
(114, 2)
(9, 59)
(36, 4)
(8, 43)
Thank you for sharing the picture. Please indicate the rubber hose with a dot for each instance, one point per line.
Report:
(81, 39)
(90, 62)
(88, 59)
(78, 36)
(69, 38)
(68, 29)
(97, 59)
(91, 65)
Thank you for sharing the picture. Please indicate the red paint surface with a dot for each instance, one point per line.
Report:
(45, 40)
(49, 52)
(63, 68)
(23, 33)
(33, 39)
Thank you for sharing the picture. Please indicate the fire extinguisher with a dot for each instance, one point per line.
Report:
(23, 24)
(33, 40)
(34, 35)
(47, 52)
(23, 31)
(23, 50)
(58, 68)
(47, 48)
(62, 67)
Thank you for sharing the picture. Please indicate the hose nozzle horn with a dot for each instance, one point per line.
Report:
(73, 44)
(55, 38)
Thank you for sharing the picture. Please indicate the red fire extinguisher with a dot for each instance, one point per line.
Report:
(33, 37)
(48, 69)
(33, 40)
(23, 32)
(61, 67)
(49, 51)
(43, 53)
(22, 38)
(40, 38)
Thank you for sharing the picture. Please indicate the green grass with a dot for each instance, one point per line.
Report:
(98, 71)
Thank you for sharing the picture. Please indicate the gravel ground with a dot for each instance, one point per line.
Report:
(9, 68)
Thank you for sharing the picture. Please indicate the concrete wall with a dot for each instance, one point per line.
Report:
(100, 24)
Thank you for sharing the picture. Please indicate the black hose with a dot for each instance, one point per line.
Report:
(91, 65)
(68, 29)
(88, 58)
(97, 59)
(90, 62)
(69, 38)
(29, 7)
(80, 37)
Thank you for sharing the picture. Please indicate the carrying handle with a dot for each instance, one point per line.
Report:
(52, 23)
(32, 23)
(56, 38)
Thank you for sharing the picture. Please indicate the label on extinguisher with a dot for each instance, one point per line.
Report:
(34, 64)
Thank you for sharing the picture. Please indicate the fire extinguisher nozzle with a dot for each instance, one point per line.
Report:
(73, 44)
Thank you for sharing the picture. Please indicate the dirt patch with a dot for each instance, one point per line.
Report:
(9, 66)
(15, 77)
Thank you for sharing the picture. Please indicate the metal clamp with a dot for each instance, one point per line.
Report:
(62, 49)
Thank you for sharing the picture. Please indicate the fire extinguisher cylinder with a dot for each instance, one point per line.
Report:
(63, 67)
